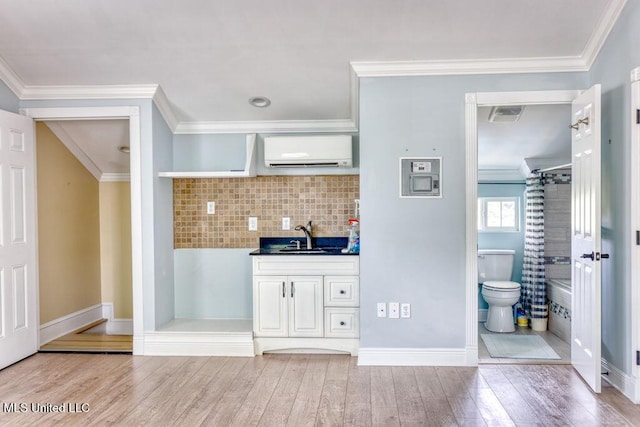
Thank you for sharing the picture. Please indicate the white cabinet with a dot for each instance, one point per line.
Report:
(306, 303)
(287, 306)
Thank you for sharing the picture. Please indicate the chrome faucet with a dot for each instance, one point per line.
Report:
(307, 233)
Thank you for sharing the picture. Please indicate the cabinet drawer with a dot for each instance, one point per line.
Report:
(341, 291)
(341, 322)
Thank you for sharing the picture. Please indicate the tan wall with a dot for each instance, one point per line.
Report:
(68, 230)
(115, 247)
(326, 200)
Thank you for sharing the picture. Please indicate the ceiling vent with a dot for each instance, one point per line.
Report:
(506, 113)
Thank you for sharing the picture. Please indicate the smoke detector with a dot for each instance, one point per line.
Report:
(506, 113)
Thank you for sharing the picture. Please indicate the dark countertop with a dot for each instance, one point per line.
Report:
(328, 246)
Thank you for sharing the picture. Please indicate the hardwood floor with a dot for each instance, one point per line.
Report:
(298, 390)
(86, 340)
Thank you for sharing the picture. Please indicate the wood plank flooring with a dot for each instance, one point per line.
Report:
(298, 390)
(84, 340)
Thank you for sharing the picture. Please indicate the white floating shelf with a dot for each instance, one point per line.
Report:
(248, 172)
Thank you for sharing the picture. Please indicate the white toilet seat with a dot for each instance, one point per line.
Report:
(500, 285)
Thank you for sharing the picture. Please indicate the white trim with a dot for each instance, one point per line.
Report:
(164, 106)
(66, 324)
(270, 126)
(10, 78)
(44, 92)
(297, 345)
(75, 149)
(601, 32)
(413, 357)
(472, 102)
(133, 114)
(469, 66)
(115, 177)
(198, 344)
(634, 167)
(471, 250)
(115, 326)
(626, 384)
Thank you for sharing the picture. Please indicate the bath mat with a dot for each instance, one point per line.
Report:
(518, 347)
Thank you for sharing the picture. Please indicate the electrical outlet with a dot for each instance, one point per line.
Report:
(394, 310)
(253, 223)
(405, 311)
(382, 309)
(211, 208)
(286, 223)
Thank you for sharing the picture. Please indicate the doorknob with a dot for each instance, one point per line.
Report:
(591, 256)
(604, 256)
(575, 125)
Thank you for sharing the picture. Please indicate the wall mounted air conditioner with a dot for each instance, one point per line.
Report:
(308, 151)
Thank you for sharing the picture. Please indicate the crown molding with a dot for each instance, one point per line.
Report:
(473, 66)
(601, 32)
(88, 92)
(163, 104)
(268, 126)
(10, 78)
(115, 177)
(500, 175)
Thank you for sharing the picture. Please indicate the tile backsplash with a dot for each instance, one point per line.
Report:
(327, 200)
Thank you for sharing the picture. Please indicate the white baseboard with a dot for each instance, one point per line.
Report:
(69, 323)
(619, 380)
(482, 314)
(307, 345)
(197, 344)
(413, 357)
(116, 326)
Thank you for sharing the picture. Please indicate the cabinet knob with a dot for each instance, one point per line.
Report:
(342, 323)
(342, 292)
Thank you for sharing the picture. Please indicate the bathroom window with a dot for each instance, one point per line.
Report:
(498, 214)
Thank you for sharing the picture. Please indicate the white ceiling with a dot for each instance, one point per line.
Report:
(541, 135)
(210, 56)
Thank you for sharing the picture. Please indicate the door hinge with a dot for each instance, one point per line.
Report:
(638, 116)
(638, 237)
(638, 358)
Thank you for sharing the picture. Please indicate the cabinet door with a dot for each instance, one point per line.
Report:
(270, 311)
(306, 309)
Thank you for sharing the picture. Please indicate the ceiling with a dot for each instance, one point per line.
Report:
(209, 57)
(540, 137)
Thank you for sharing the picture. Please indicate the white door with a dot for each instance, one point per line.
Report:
(270, 306)
(18, 269)
(306, 306)
(585, 239)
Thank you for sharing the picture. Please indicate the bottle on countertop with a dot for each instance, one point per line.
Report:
(354, 236)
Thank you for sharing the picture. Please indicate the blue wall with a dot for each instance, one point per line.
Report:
(619, 55)
(413, 250)
(504, 240)
(8, 100)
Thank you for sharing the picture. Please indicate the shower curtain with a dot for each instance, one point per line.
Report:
(533, 297)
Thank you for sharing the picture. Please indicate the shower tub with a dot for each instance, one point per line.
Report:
(559, 296)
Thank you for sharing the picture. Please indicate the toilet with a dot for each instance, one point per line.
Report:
(494, 272)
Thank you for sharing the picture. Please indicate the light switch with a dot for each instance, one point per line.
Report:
(286, 223)
(211, 208)
(253, 223)
(394, 310)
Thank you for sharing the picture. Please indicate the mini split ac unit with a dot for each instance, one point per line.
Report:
(308, 151)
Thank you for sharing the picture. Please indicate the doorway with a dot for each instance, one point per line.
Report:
(84, 239)
(513, 142)
(474, 101)
(132, 114)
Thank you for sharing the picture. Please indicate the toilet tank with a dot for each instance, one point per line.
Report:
(495, 264)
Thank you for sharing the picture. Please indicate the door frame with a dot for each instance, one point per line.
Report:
(634, 168)
(132, 113)
(472, 102)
